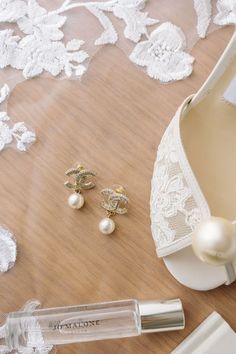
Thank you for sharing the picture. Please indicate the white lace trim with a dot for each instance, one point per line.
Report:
(35, 336)
(18, 133)
(177, 204)
(7, 249)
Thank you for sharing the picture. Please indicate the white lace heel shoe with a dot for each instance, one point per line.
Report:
(194, 176)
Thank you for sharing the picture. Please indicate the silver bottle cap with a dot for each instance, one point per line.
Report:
(160, 316)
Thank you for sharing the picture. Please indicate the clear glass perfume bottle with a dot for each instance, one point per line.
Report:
(106, 320)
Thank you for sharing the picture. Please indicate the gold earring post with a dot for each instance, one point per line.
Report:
(82, 181)
(82, 178)
(114, 203)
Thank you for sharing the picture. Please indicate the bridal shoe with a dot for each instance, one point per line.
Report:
(194, 176)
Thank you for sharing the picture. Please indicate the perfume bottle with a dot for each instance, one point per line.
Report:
(83, 323)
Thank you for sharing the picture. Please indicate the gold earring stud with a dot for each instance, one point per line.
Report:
(114, 203)
(82, 181)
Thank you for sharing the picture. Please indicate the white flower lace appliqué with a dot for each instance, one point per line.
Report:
(35, 342)
(7, 250)
(163, 54)
(171, 198)
(19, 132)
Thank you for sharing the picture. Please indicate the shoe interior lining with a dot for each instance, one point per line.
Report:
(209, 138)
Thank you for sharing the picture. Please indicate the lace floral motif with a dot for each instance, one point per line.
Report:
(136, 21)
(203, 10)
(12, 10)
(171, 198)
(171, 194)
(193, 218)
(7, 250)
(41, 49)
(19, 133)
(162, 54)
(35, 343)
(226, 12)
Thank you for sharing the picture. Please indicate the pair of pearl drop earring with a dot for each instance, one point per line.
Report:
(114, 199)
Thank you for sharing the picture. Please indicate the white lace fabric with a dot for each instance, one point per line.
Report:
(177, 203)
(32, 36)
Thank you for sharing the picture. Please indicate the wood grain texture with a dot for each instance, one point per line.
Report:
(112, 122)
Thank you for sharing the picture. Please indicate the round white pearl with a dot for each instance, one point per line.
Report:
(214, 241)
(76, 201)
(107, 226)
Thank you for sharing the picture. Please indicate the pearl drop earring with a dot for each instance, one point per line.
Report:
(113, 203)
(82, 182)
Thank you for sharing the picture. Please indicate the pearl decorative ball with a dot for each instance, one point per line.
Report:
(107, 226)
(214, 241)
(76, 201)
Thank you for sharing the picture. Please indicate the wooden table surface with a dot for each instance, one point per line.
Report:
(112, 122)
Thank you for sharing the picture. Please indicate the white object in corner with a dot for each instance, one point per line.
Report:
(214, 335)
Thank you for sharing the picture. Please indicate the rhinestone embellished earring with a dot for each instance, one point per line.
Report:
(114, 203)
(82, 181)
